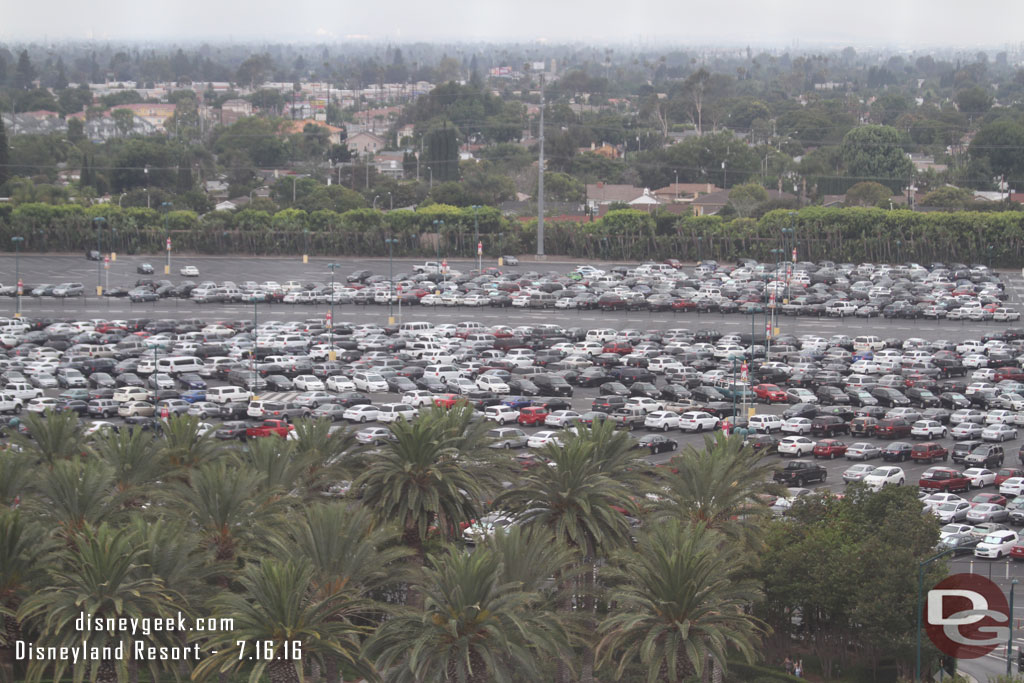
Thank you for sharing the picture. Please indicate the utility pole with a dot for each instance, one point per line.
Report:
(540, 177)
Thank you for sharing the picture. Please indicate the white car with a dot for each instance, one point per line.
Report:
(561, 418)
(796, 445)
(360, 413)
(392, 412)
(928, 429)
(543, 438)
(418, 398)
(997, 544)
(936, 499)
(662, 419)
(796, 425)
(308, 383)
(339, 383)
(995, 417)
(698, 422)
(501, 414)
(41, 404)
(980, 477)
(189, 271)
(998, 432)
(648, 405)
(373, 435)
(491, 383)
(885, 475)
(369, 381)
(857, 472)
(1014, 486)
(485, 527)
(953, 529)
(951, 512)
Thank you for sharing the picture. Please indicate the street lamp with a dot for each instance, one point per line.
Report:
(17, 274)
(476, 238)
(920, 603)
(255, 344)
(438, 227)
(390, 241)
(391, 202)
(375, 198)
(98, 222)
(431, 172)
(771, 301)
(1009, 638)
(305, 246)
(331, 355)
(166, 207)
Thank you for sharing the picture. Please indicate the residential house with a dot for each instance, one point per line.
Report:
(232, 110)
(603, 150)
(34, 123)
(684, 192)
(604, 194)
(334, 132)
(710, 204)
(365, 143)
(390, 164)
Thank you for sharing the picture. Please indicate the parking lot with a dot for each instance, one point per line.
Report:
(649, 334)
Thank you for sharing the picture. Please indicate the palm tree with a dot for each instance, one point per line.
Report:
(16, 476)
(474, 627)
(278, 605)
(347, 552)
(75, 493)
(24, 550)
(184, 447)
(429, 477)
(331, 454)
(582, 500)
(680, 603)
(97, 575)
(719, 487)
(134, 459)
(225, 504)
(52, 437)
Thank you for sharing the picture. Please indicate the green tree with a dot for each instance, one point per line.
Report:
(949, 197)
(746, 198)
(973, 101)
(124, 120)
(277, 604)
(680, 603)
(875, 153)
(98, 575)
(474, 627)
(24, 557)
(868, 193)
(134, 459)
(24, 73)
(442, 153)
(55, 437)
(998, 144)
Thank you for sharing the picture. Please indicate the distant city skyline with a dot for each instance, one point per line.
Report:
(768, 23)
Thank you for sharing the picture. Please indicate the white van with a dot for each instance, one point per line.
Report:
(414, 329)
(868, 343)
(176, 365)
(392, 412)
(442, 372)
(227, 395)
(601, 335)
(422, 348)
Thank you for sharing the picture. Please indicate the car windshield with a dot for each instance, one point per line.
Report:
(995, 539)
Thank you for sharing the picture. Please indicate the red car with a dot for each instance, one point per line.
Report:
(675, 263)
(684, 305)
(446, 400)
(1017, 553)
(829, 448)
(1015, 374)
(770, 393)
(621, 348)
(532, 415)
(270, 428)
(993, 498)
(1005, 473)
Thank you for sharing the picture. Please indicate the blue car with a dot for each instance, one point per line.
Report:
(517, 402)
(194, 396)
(191, 380)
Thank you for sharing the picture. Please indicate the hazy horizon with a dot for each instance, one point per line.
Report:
(870, 24)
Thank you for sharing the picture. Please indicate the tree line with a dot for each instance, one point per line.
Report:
(852, 234)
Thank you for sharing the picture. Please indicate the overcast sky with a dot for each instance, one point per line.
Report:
(807, 23)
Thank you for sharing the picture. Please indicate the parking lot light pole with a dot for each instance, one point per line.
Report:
(1009, 637)
(166, 207)
(331, 355)
(476, 237)
(255, 342)
(390, 241)
(98, 221)
(17, 274)
(305, 246)
(920, 604)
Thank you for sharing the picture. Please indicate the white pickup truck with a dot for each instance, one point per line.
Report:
(10, 404)
(428, 267)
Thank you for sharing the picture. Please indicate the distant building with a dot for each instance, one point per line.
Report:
(365, 144)
(710, 204)
(233, 110)
(684, 192)
(390, 164)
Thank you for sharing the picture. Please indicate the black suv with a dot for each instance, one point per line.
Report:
(987, 455)
(897, 450)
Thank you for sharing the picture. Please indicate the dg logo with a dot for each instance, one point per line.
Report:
(967, 616)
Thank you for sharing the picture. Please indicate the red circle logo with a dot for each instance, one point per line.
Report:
(966, 616)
